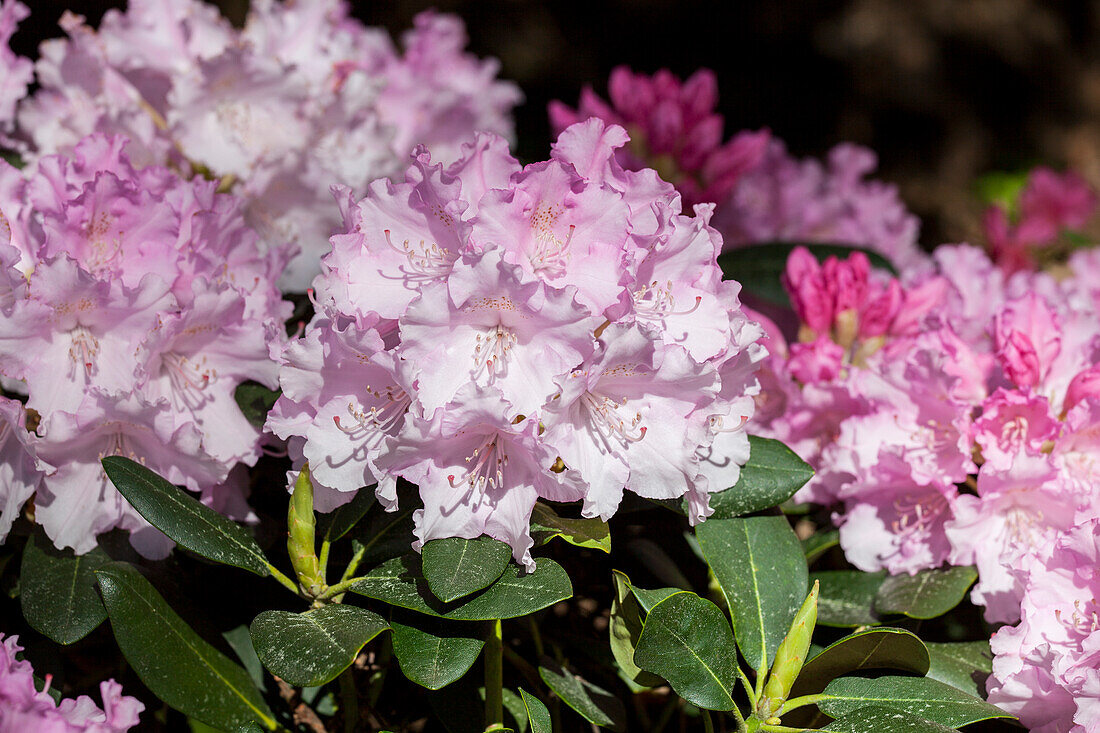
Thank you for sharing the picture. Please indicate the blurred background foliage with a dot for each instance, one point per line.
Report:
(943, 90)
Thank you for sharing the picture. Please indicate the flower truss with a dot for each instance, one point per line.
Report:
(761, 192)
(134, 303)
(496, 333)
(952, 417)
(301, 98)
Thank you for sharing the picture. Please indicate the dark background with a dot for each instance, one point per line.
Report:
(943, 90)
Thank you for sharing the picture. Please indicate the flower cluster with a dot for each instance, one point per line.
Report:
(134, 303)
(762, 193)
(673, 128)
(496, 334)
(952, 418)
(25, 708)
(302, 97)
(1048, 204)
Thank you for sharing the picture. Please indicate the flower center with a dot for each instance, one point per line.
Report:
(188, 378)
(655, 302)
(83, 350)
(551, 255)
(485, 466)
(606, 417)
(427, 262)
(491, 350)
(917, 512)
(384, 418)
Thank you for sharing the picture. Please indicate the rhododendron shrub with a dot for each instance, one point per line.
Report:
(301, 98)
(496, 334)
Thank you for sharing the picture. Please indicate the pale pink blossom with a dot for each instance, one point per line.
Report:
(25, 708)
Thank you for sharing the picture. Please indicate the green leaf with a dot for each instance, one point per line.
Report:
(172, 660)
(434, 654)
(513, 705)
(455, 567)
(400, 582)
(240, 641)
(927, 594)
(594, 704)
(312, 648)
(184, 518)
(255, 401)
(759, 564)
(964, 665)
(591, 533)
(654, 558)
(772, 475)
(914, 695)
(335, 524)
(650, 598)
(882, 648)
(818, 544)
(625, 627)
(687, 640)
(758, 267)
(58, 590)
(537, 715)
(874, 719)
(847, 598)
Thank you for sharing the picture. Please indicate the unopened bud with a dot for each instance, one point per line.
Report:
(301, 543)
(790, 657)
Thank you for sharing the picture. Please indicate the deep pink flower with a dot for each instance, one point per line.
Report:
(673, 128)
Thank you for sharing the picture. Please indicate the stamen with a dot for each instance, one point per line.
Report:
(432, 262)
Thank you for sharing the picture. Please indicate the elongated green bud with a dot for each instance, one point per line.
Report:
(301, 543)
(789, 658)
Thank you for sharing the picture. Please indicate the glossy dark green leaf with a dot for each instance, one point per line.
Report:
(625, 628)
(687, 640)
(312, 648)
(400, 582)
(847, 598)
(759, 564)
(650, 598)
(337, 523)
(58, 591)
(873, 719)
(434, 654)
(538, 717)
(455, 567)
(172, 660)
(919, 696)
(594, 704)
(772, 475)
(927, 594)
(818, 544)
(591, 533)
(759, 267)
(882, 648)
(964, 665)
(184, 518)
(255, 401)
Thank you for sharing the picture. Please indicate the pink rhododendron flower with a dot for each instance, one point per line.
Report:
(301, 98)
(498, 334)
(790, 200)
(1046, 667)
(673, 128)
(1049, 203)
(139, 302)
(15, 73)
(25, 708)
